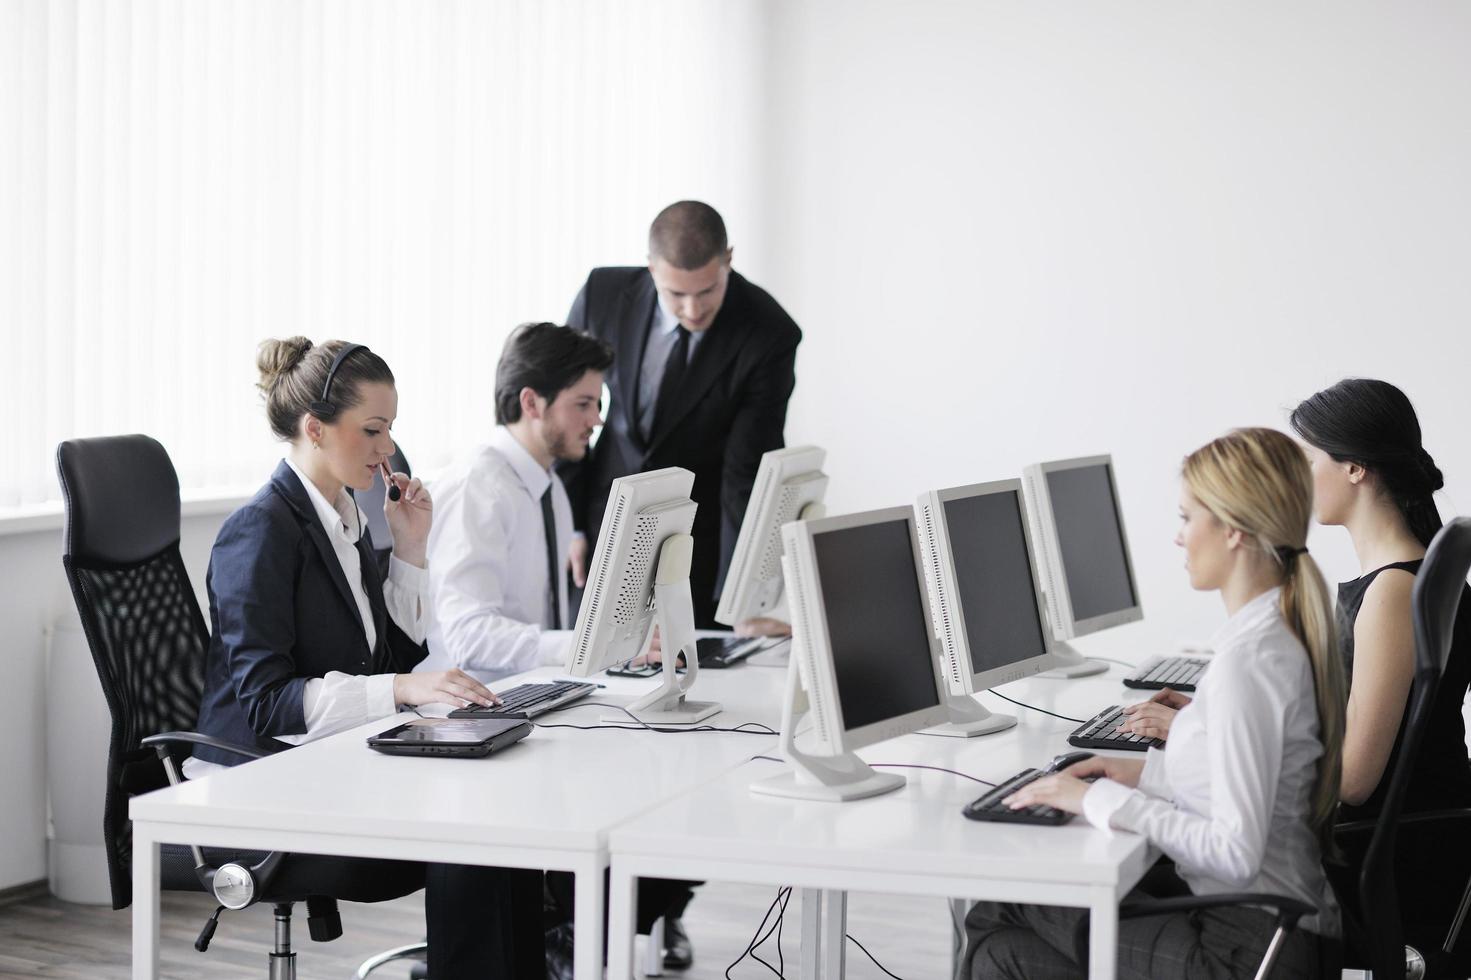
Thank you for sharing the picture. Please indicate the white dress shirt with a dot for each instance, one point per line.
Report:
(656, 354)
(340, 701)
(488, 563)
(1231, 799)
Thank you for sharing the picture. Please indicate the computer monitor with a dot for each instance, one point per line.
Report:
(863, 651)
(789, 486)
(1087, 574)
(639, 576)
(985, 597)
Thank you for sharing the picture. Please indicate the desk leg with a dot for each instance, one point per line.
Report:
(622, 906)
(587, 922)
(811, 932)
(1103, 935)
(834, 934)
(145, 905)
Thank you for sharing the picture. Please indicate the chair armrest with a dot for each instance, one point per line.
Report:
(1406, 819)
(162, 740)
(1288, 910)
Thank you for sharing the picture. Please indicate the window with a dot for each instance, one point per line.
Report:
(180, 180)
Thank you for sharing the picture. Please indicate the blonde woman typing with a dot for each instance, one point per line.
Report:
(1245, 796)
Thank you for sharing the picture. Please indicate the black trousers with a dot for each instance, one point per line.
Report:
(484, 923)
(657, 898)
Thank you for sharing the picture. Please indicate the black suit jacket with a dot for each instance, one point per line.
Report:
(281, 612)
(732, 407)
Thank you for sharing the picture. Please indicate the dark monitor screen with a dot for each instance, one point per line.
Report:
(876, 622)
(1092, 541)
(993, 579)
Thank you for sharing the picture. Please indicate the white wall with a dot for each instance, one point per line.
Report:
(1017, 232)
(35, 593)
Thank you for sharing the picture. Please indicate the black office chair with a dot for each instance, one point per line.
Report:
(1372, 917)
(148, 641)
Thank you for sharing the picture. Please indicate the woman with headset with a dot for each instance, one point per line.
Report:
(307, 638)
(1244, 799)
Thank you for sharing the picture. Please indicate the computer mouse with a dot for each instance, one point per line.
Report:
(1061, 762)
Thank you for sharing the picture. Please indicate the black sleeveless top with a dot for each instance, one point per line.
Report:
(1442, 774)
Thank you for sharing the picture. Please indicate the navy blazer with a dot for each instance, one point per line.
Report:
(732, 407)
(281, 613)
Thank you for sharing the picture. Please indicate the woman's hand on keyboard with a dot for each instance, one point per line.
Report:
(1125, 771)
(1063, 791)
(453, 687)
(1152, 718)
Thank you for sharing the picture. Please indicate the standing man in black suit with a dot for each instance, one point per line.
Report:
(704, 365)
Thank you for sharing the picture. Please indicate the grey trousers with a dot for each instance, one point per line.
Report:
(1043, 942)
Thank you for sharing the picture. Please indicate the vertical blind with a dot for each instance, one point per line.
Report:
(181, 179)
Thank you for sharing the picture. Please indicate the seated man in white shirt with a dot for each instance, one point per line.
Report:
(498, 546)
(503, 526)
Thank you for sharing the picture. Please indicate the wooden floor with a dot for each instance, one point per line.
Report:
(44, 937)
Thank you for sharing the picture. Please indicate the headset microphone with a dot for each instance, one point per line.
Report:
(393, 491)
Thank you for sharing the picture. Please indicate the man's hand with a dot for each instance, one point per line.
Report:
(577, 558)
(763, 626)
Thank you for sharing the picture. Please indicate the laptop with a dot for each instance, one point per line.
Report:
(462, 737)
(716, 653)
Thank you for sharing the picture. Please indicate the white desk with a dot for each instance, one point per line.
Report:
(547, 802)
(913, 841)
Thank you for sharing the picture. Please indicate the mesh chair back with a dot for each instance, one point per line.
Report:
(138, 610)
(1435, 600)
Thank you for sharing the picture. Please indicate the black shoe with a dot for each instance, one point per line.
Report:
(559, 953)
(678, 953)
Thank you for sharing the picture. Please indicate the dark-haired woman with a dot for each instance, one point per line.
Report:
(307, 639)
(1372, 476)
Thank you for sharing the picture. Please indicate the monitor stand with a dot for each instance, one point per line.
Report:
(674, 614)
(1070, 663)
(969, 718)
(831, 778)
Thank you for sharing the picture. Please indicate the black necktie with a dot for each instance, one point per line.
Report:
(673, 375)
(550, 524)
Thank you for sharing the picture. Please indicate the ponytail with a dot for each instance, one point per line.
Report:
(1307, 610)
(1259, 482)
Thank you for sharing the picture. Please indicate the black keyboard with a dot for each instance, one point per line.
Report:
(1177, 673)
(1101, 732)
(718, 652)
(529, 700)
(990, 807)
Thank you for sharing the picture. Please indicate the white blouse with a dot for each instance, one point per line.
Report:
(1231, 799)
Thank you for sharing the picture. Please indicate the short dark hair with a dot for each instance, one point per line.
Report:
(687, 235)
(1373, 424)
(546, 358)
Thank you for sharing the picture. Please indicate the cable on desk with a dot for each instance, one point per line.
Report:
(897, 765)
(1019, 704)
(744, 728)
(870, 956)
(913, 765)
(1112, 660)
